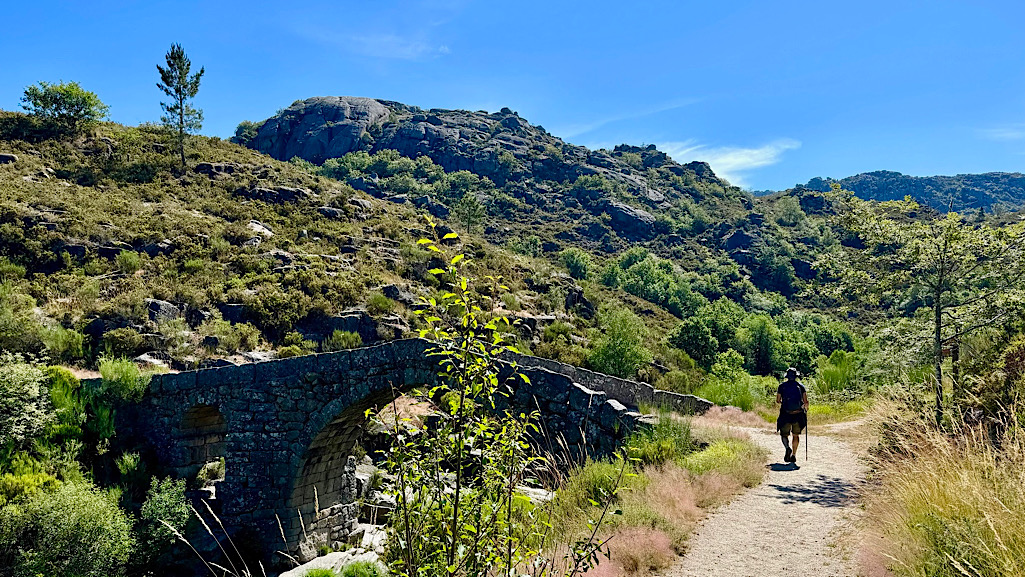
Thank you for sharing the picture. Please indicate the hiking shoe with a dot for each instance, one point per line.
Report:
(790, 455)
(791, 458)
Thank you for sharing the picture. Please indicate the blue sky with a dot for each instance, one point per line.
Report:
(770, 93)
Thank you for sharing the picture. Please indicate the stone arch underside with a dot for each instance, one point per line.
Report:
(201, 435)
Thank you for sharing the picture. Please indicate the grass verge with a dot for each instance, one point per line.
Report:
(947, 503)
(677, 475)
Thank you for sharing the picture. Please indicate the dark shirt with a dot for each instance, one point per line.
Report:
(790, 383)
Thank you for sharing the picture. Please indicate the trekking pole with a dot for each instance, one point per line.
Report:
(806, 443)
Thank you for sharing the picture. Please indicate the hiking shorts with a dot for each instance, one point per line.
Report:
(791, 423)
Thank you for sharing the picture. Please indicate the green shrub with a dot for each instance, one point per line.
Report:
(210, 472)
(289, 351)
(721, 454)
(25, 408)
(76, 530)
(231, 338)
(362, 569)
(123, 342)
(341, 340)
(378, 304)
(836, 373)
(63, 345)
(15, 488)
(295, 339)
(165, 503)
(577, 262)
(66, 107)
(694, 337)
(594, 482)
(128, 262)
(122, 380)
(619, 350)
(320, 572)
(669, 440)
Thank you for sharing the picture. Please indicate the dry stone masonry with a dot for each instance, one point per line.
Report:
(286, 428)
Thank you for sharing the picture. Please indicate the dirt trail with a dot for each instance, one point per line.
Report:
(786, 525)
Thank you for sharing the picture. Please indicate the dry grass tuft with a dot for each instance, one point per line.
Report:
(949, 503)
(729, 416)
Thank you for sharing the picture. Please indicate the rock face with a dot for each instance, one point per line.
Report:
(7, 158)
(501, 145)
(319, 128)
(630, 222)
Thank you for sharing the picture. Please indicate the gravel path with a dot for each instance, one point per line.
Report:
(786, 525)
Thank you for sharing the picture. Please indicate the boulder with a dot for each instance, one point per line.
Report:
(260, 228)
(319, 128)
(216, 169)
(333, 213)
(161, 311)
(432, 206)
(8, 158)
(630, 222)
(154, 249)
(361, 203)
(804, 269)
(338, 560)
(277, 195)
(575, 299)
(738, 239)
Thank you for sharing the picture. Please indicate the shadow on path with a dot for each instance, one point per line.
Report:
(783, 467)
(823, 490)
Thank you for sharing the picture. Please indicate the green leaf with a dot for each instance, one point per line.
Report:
(450, 235)
(457, 258)
(425, 241)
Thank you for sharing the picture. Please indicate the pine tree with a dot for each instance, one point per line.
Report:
(175, 81)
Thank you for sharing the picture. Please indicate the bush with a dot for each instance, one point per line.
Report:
(165, 501)
(122, 380)
(669, 440)
(25, 408)
(66, 107)
(619, 350)
(289, 351)
(128, 262)
(341, 340)
(15, 488)
(362, 569)
(76, 530)
(378, 304)
(577, 262)
(63, 345)
(694, 337)
(245, 132)
(231, 338)
(123, 342)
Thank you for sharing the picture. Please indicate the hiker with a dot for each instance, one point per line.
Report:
(792, 398)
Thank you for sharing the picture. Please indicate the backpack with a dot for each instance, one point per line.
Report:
(792, 396)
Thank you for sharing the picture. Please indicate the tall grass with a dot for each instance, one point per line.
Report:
(949, 503)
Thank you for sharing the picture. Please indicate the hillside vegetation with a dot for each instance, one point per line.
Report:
(990, 192)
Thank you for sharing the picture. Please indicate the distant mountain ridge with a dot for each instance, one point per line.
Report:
(960, 192)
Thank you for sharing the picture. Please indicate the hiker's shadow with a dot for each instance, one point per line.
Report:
(783, 467)
(823, 490)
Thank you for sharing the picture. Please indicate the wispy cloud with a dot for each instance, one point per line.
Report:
(731, 162)
(385, 45)
(572, 130)
(1004, 133)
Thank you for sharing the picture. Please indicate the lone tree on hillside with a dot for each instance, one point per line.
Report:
(969, 274)
(175, 81)
(66, 108)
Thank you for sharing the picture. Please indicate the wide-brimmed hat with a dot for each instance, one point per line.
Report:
(792, 372)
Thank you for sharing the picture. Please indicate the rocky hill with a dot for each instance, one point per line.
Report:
(1000, 190)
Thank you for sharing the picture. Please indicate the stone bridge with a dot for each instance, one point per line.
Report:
(286, 427)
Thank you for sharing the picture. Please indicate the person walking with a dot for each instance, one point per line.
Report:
(792, 398)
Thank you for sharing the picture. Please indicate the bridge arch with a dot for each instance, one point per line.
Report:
(201, 433)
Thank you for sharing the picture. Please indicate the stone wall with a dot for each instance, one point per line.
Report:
(286, 427)
(630, 393)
